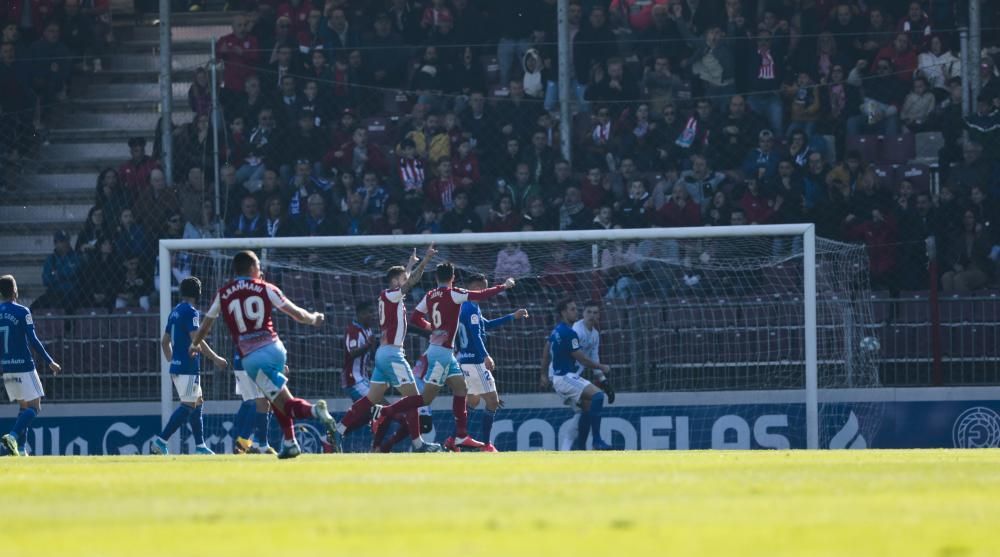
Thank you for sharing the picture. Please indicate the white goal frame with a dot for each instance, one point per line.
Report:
(806, 231)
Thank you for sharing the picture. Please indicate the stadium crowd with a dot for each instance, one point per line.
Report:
(403, 117)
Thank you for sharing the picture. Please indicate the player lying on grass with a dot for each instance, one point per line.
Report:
(559, 359)
(475, 360)
(391, 367)
(254, 416)
(247, 302)
(20, 378)
(442, 305)
(185, 369)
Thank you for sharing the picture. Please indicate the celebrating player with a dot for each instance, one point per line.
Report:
(185, 369)
(247, 301)
(254, 416)
(443, 304)
(560, 357)
(20, 377)
(475, 361)
(391, 367)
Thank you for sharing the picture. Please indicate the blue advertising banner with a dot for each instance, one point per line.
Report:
(942, 422)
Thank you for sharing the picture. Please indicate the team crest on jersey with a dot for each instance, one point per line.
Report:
(576, 344)
(474, 319)
(29, 320)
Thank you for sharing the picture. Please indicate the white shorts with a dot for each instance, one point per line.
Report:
(188, 386)
(23, 385)
(570, 386)
(478, 379)
(245, 387)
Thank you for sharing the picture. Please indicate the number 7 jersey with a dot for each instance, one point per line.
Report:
(246, 305)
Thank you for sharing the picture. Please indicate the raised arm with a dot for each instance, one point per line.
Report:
(418, 273)
(480, 295)
(491, 324)
(300, 315)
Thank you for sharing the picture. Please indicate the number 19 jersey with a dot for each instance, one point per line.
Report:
(246, 305)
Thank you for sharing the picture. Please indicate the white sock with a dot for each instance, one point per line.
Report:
(289, 442)
(459, 440)
(340, 428)
(418, 442)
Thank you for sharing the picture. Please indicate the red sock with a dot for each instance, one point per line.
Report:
(403, 406)
(298, 409)
(413, 424)
(379, 435)
(358, 415)
(461, 411)
(401, 433)
(286, 424)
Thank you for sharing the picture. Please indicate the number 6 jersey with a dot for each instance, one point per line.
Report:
(443, 305)
(246, 305)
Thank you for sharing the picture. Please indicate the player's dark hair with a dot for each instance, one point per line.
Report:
(242, 263)
(394, 272)
(592, 304)
(362, 307)
(562, 304)
(7, 287)
(191, 288)
(444, 272)
(477, 277)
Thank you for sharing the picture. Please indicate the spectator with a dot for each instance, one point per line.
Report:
(306, 144)
(465, 165)
(804, 105)
(513, 19)
(916, 225)
(757, 207)
(718, 212)
(712, 62)
(902, 57)
(249, 223)
(789, 194)
(883, 96)
(375, 196)
(635, 210)
(967, 259)
(276, 222)
(317, 221)
(336, 32)
(938, 64)
(200, 93)
(441, 191)
(878, 231)
(194, 145)
(614, 89)
(101, 276)
(135, 172)
(604, 219)
(248, 102)
(354, 222)
(239, 52)
(916, 25)
(521, 188)
(205, 225)
(765, 73)
(111, 197)
(762, 162)
(51, 65)
(918, 106)
(701, 181)
(130, 237)
(95, 230)
(60, 275)
(846, 29)
(429, 222)
(503, 217)
(538, 216)
(573, 214)
(393, 223)
(383, 58)
(461, 216)
(878, 34)
(357, 155)
(137, 286)
(973, 170)
(679, 210)
(512, 262)
(596, 189)
(263, 148)
(157, 201)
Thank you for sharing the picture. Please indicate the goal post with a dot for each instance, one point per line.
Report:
(730, 292)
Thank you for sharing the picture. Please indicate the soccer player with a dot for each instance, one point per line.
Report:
(442, 305)
(359, 346)
(20, 377)
(247, 302)
(254, 415)
(590, 344)
(561, 355)
(185, 370)
(391, 367)
(475, 360)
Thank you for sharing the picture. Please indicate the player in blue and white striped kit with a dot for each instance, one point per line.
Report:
(475, 360)
(20, 378)
(185, 370)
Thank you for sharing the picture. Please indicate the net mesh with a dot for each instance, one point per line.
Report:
(719, 319)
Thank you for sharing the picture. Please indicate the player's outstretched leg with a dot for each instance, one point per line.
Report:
(15, 440)
(462, 440)
(159, 443)
(244, 425)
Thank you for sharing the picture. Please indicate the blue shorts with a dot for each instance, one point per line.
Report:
(441, 364)
(391, 367)
(359, 390)
(266, 366)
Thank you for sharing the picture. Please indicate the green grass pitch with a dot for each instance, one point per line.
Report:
(894, 503)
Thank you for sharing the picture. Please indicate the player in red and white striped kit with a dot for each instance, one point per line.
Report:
(246, 303)
(443, 305)
(391, 367)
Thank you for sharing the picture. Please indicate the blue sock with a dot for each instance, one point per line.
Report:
(197, 426)
(582, 432)
(176, 420)
(262, 419)
(244, 419)
(596, 406)
(488, 417)
(20, 430)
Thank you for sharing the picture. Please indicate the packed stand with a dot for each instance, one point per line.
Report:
(402, 117)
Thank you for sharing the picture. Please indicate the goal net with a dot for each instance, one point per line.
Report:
(716, 337)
